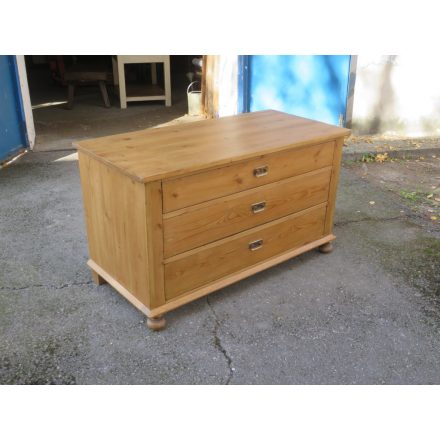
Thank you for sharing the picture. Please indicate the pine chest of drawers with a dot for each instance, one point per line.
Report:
(175, 213)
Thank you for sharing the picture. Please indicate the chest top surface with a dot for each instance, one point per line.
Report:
(159, 153)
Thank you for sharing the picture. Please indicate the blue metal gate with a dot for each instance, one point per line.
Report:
(313, 86)
(12, 123)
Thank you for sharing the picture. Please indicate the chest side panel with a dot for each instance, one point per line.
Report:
(115, 213)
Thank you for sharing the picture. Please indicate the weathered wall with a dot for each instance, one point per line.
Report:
(220, 85)
(397, 95)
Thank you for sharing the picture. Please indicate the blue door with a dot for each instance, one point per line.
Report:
(313, 86)
(12, 125)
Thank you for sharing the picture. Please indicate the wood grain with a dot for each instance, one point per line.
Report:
(233, 254)
(226, 216)
(199, 292)
(333, 188)
(210, 96)
(197, 188)
(115, 213)
(119, 288)
(160, 153)
(154, 226)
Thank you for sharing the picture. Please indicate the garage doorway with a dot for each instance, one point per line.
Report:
(57, 126)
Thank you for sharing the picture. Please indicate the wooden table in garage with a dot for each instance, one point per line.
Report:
(175, 213)
(142, 92)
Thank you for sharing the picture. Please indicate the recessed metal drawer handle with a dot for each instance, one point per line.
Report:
(258, 207)
(261, 171)
(255, 245)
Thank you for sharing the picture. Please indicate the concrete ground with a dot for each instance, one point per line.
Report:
(394, 146)
(368, 313)
(416, 182)
(57, 127)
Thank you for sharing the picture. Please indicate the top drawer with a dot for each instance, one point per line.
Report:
(196, 188)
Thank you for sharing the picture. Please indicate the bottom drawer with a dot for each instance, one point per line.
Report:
(201, 266)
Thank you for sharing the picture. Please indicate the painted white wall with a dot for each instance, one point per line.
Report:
(397, 95)
(24, 88)
(227, 82)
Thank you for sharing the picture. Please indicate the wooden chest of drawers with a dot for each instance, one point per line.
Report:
(175, 213)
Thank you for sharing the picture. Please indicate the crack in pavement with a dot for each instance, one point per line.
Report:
(49, 286)
(416, 219)
(369, 219)
(218, 343)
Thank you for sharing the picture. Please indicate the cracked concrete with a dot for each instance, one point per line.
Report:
(366, 314)
(387, 219)
(218, 343)
(47, 286)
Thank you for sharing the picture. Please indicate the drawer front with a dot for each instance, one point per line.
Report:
(223, 217)
(199, 267)
(197, 188)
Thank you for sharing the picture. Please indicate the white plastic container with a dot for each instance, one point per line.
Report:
(194, 100)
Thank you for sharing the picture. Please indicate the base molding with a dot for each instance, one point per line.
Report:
(120, 288)
(212, 287)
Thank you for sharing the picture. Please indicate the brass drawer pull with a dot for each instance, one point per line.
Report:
(258, 207)
(255, 245)
(261, 171)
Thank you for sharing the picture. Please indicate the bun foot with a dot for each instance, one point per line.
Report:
(157, 323)
(326, 248)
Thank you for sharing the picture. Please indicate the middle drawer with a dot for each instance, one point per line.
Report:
(204, 223)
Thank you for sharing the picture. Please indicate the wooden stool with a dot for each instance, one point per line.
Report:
(81, 76)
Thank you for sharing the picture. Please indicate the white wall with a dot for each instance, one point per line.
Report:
(227, 83)
(397, 95)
